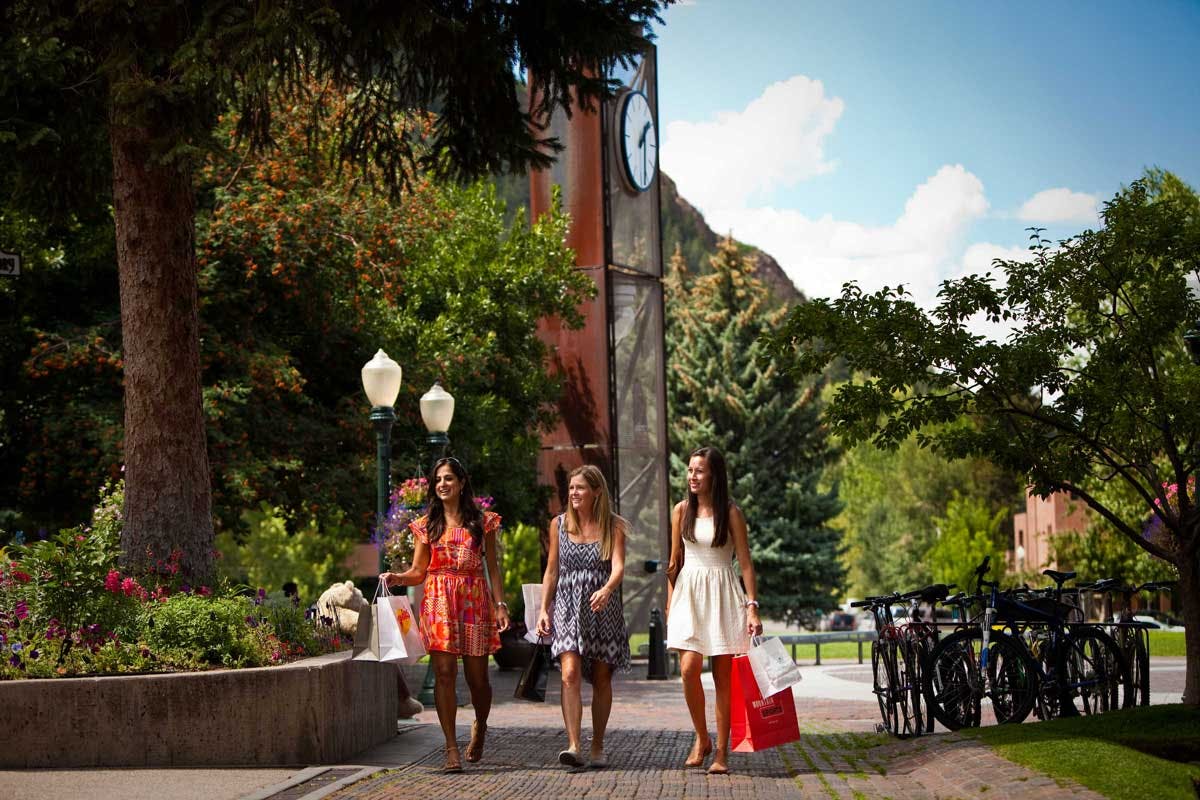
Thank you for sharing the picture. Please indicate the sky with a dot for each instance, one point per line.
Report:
(912, 142)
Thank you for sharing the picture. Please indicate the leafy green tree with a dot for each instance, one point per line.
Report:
(764, 421)
(1092, 383)
(892, 499)
(304, 273)
(964, 536)
(1101, 551)
(145, 82)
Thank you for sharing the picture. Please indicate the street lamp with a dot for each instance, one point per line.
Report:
(1192, 339)
(437, 410)
(381, 381)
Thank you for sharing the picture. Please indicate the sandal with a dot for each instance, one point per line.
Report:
(475, 747)
(693, 761)
(453, 761)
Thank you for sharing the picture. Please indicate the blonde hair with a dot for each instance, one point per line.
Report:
(601, 509)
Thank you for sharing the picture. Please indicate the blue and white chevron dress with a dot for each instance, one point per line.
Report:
(595, 636)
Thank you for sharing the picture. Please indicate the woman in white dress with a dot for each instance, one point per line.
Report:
(708, 613)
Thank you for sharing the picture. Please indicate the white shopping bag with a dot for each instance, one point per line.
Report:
(532, 594)
(410, 634)
(773, 668)
(386, 642)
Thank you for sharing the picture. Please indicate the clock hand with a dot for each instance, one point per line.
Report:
(642, 138)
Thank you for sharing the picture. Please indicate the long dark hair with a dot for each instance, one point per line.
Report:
(720, 498)
(472, 517)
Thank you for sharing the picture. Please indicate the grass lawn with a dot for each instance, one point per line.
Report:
(1166, 643)
(805, 653)
(1134, 754)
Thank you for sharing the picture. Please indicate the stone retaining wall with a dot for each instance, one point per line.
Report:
(317, 711)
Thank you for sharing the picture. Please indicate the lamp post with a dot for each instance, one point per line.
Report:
(1192, 339)
(437, 410)
(381, 381)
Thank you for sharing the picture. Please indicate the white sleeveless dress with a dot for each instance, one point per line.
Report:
(708, 612)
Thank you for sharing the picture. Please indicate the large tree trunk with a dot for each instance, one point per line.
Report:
(168, 501)
(1189, 597)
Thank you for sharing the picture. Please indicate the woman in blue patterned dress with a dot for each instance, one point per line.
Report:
(584, 567)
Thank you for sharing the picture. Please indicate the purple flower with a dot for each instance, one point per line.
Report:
(15, 661)
(34, 654)
(22, 609)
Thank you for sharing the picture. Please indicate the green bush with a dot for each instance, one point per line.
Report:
(269, 555)
(67, 571)
(192, 630)
(520, 562)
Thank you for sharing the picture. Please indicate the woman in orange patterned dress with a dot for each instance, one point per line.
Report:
(460, 614)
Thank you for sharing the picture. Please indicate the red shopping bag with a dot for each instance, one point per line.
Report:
(755, 723)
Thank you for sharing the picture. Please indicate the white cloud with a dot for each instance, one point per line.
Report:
(776, 141)
(821, 254)
(1060, 205)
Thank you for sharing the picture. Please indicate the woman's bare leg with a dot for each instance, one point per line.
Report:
(691, 665)
(601, 704)
(445, 674)
(475, 669)
(572, 700)
(722, 672)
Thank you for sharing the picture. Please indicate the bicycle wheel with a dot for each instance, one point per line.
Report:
(1014, 679)
(1094, 673)
(1139, 668)
(955, 685)
(906, 688)
(882, 686)
(953, 689)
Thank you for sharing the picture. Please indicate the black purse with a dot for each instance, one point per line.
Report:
(532, 686)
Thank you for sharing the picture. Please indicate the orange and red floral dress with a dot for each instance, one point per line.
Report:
(456, 607)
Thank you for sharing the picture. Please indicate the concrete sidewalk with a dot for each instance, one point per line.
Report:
(840, 755)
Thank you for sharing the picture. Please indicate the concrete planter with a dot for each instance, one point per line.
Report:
(316, 711)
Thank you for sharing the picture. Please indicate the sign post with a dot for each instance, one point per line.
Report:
(10, 264)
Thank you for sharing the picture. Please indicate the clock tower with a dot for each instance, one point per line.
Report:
(613, 409)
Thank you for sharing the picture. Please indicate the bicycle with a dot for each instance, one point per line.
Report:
(976, 662)
(1081, 668)
(896, 658)
(1131, 636)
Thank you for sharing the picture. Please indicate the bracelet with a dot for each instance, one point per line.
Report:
(502, 604)
(750, 603)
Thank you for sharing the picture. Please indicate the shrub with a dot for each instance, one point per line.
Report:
(520, 562)
(270, 555)
(192, 630)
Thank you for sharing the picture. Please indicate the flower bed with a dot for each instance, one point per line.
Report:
(315, 711)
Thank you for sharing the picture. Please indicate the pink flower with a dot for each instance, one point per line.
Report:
(112, 583)
(128, 586)
(204, 591)
(21, 610)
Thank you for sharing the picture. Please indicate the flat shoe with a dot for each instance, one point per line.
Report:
(570, 758)
(598, 762)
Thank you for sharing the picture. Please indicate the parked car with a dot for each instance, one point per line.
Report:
(839, 621)
(1150, 622)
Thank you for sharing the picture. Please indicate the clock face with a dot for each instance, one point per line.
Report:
(639, 141)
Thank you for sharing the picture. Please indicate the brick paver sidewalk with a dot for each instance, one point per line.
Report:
(839, 757)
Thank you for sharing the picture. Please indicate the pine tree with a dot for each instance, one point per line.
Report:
(765, 422)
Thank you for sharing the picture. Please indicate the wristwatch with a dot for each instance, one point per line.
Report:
(750, 603)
